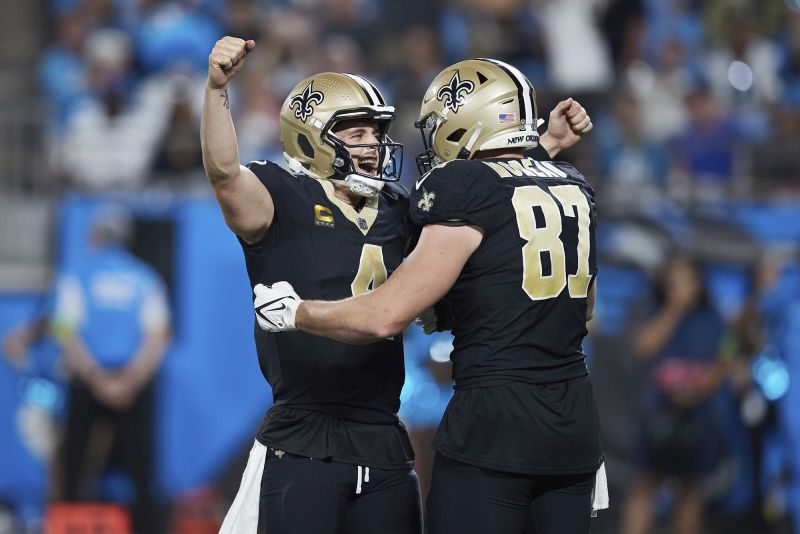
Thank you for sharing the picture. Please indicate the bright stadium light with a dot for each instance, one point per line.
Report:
(740, 75)
(771, 374)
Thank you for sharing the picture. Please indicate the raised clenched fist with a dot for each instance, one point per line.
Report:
(568, 123)
(226, 59)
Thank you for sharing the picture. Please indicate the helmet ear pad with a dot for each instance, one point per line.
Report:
(294, 166)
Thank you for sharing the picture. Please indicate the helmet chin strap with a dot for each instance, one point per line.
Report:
(361, 185)
(294, 165)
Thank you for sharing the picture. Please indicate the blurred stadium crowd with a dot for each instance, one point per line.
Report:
(696, 106)
(685, 94)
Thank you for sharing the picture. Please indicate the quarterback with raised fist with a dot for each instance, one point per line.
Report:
(508, 247)
(330, 453)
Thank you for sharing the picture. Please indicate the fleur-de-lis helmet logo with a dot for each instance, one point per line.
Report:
(451, 95)
(302, 102)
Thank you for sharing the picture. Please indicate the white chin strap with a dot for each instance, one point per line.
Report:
(361, 185)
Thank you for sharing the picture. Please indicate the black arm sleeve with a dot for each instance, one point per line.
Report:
(538, 153)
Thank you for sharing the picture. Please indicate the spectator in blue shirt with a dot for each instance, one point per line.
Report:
(679, 437)
(111, 317)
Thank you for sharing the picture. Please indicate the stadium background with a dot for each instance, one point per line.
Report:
(696, 107)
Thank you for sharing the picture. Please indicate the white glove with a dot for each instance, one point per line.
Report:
(276, 306)
(427, 320)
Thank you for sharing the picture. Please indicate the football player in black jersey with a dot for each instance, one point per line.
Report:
(330, 454)
(508, 247)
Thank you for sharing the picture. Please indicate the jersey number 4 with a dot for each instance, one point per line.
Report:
(546, 239)
(371, 270)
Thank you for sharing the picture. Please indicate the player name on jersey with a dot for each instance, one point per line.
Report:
(525, 167)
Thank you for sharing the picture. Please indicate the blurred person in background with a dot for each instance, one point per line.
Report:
(679, 439)
(743, 69)
(243, 17)
(173, 34)
(354, 18)
(790, 69)
(775, 165)
(705, 159)
(33, 352)
(20, 340)
(778, 297)
(661, 91)
(178, 160)
(623, 23)
(413, 65)
(62, 70)
(673, 20)
(292, 51)
(743, 58)
(505, 29)
(112, 321)
(578, 57)
(111, 138)
(337, 226)
(634, 167)
(519, 445)
(752, 352)
(341, 53)
(257, 117)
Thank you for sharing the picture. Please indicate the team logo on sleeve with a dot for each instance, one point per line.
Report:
(302, 103)
(450, 94)
(426, 202)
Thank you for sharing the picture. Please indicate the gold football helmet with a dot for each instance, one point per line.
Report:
(475, 105)
(309, 115)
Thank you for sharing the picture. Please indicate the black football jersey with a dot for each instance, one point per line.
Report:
(332, 400)
(519, 305)
(518, 312)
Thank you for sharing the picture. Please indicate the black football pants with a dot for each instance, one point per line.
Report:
(466, 499)
(302, 496)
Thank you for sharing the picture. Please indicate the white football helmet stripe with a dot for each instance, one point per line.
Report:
(367, 87)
